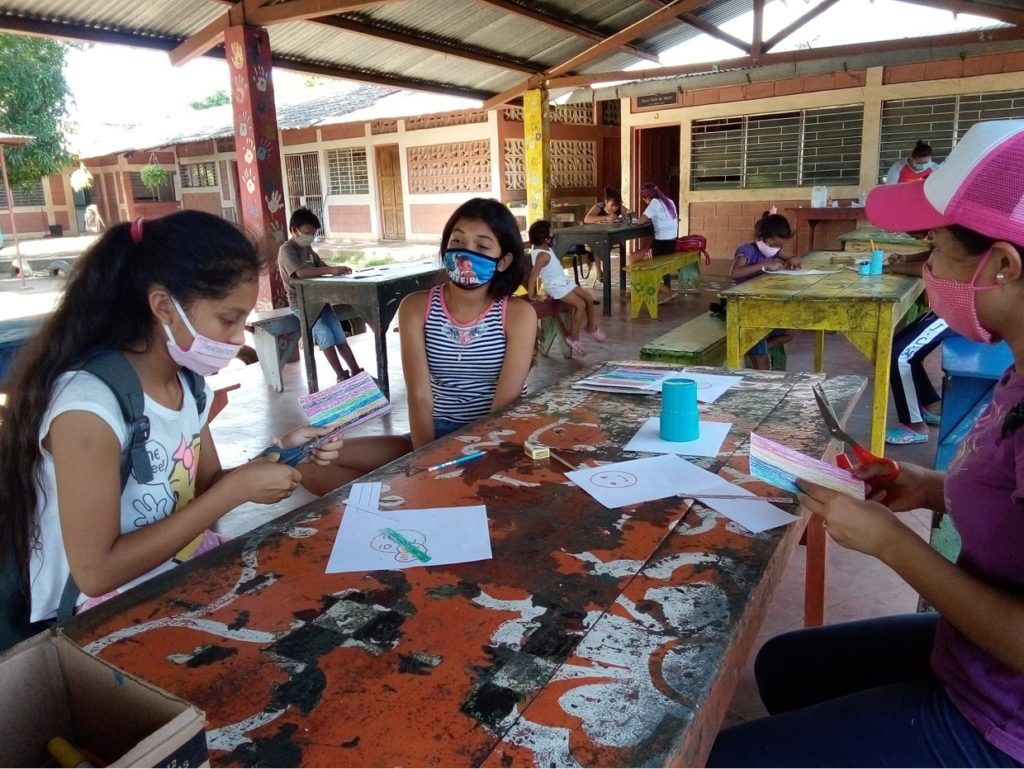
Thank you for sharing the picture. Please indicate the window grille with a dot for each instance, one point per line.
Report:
(198, 174)
(784, 149)
(29, 194)
(939, 121)
(346, 172)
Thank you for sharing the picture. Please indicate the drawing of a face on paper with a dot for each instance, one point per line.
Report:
(614, 479)
(382, 543)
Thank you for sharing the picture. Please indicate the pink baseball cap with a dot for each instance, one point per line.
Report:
(980, 186)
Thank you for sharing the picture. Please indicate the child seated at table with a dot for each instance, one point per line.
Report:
(548, 269)
(467, 345)
(764, 254)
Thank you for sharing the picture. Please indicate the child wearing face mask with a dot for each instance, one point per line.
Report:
(764, 254)
(297, 259)
(168, 294)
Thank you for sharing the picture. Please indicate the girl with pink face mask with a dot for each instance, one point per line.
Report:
(764, 254)
(945, 688)
(168, 294)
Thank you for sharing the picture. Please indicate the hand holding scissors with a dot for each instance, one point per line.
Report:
(890, 470)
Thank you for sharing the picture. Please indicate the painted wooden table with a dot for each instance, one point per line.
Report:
(602, 238)
(865, 309)
(14, 332)
(375, 294)
(592, 637)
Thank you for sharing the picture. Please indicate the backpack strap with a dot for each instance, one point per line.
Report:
(114, 370)
(198, 387)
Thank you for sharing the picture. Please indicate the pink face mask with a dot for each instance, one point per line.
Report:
(206, 356)
(954, 302)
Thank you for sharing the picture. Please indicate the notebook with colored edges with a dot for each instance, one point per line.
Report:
(348, 403)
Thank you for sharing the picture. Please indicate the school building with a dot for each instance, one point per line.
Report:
(381, 164)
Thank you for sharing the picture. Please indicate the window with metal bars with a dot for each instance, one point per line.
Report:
(939, 121)
(28, 194)
(346, 172)
(198, 174)
(801, 148)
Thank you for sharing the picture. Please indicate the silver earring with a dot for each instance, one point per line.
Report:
(1000, 276)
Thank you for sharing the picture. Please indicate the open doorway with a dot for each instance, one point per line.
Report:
(656, 154)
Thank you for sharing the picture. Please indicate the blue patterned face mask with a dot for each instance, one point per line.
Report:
(469, 269)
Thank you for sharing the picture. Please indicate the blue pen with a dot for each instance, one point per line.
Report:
(457, 461)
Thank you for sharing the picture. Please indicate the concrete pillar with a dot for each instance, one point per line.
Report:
(538, 159)
(258, 151)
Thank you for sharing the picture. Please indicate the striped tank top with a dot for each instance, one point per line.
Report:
(464, 359)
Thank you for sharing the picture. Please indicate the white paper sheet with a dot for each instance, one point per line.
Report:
(710, 387)
(444, 535)
(801, 273)
(648, 438)
(640, 480)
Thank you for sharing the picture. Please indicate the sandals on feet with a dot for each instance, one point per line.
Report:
(597, 334)
(901, 435)
(576, 345)
(930, 417)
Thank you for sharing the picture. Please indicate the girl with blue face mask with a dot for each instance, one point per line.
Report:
(169, 294)
(467, 345)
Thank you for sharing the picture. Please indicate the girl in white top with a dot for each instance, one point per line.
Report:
(169, 294)
(662, 213)
(548, 269)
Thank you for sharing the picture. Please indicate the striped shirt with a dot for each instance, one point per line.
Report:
(464, 359)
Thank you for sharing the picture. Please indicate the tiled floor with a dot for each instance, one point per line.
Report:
(858, 586)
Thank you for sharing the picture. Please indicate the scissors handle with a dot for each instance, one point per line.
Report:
(290, 456)
(891, 467)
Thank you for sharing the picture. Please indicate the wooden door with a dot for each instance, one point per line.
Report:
(657, 160)
(389, 192)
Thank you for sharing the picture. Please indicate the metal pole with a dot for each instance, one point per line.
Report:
(10, 211)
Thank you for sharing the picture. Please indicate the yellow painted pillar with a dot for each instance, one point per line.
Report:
(538, 160)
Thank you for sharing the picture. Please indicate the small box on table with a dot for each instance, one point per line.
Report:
(52, 687)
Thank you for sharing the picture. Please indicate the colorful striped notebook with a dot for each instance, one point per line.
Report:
(348, 403)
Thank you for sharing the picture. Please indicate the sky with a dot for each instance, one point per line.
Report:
(122, 85)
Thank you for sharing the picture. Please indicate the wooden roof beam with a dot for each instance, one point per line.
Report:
(790, 57)
(975, 7)
(710, 29)
(566, 26)
(793, 26)
(207, 38)
(303, 10)
(757, 37)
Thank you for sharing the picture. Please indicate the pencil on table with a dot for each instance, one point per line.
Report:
(562, 462)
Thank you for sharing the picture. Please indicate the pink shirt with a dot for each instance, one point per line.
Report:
(985, 496)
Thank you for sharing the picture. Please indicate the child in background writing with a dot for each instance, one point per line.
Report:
(764, 254)
(170, 293)
(297, 259)
(548, 268)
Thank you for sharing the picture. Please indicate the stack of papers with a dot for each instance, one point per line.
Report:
(346, 404)
(641, 380)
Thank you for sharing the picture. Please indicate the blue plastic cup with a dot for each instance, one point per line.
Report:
(864, 267)
(680, 418)
(877, 258)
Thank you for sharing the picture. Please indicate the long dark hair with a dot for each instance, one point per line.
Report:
(651, 190)
(503, 224)
(105, 306)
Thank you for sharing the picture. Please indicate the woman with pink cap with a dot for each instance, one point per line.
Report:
(943, 689)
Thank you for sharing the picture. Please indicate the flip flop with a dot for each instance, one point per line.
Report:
(902, 436)
(598, 334)
(930, 417)
(576, 345)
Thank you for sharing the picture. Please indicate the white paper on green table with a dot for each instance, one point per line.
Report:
(780, 466)
(801, 273)
(708, 444)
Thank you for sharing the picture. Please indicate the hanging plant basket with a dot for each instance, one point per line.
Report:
(153, 176)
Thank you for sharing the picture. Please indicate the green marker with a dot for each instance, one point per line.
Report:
(420, 554)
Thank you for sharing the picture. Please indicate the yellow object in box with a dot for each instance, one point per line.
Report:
(536, 450)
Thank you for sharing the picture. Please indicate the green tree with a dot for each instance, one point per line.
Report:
(33, 100)
(213, 100)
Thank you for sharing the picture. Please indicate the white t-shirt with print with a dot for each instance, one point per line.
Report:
(666, 227)
(173, 448)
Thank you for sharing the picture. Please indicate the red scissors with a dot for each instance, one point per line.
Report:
(891, 468)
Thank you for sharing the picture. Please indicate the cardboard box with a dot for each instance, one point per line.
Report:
(50, 687)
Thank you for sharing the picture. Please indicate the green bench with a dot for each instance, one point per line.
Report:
(697, 342)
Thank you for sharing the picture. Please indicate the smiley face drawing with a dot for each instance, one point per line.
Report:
(382, 543)
(614, 479)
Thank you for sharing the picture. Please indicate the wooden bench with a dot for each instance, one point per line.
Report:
(645, 279)
(697, 342)
(276, 335)
(554, 317)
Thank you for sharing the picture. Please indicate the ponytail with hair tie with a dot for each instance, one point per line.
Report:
(136, 229)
